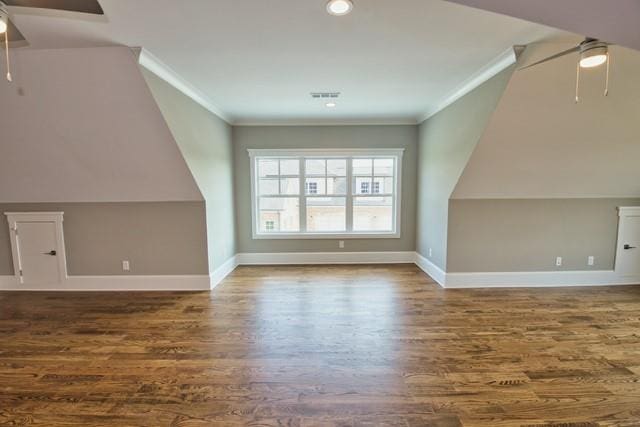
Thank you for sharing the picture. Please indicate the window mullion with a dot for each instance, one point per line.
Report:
(303, 197)
(349, 206)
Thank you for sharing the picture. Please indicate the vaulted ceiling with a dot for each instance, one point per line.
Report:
(257, 60)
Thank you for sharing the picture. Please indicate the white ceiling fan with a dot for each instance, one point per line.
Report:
(593, 53)
(10, 32)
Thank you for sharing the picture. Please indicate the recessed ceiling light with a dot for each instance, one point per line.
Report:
(331, 104)
(339, 7)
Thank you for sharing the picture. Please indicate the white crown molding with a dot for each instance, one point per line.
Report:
(166, 73)
(499, 63)
(223, 271)
(114, 283)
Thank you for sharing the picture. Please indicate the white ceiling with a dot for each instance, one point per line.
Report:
(257, 60)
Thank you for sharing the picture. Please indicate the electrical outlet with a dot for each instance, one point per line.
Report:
(430, 252)
(559, 261)
(591, 260)
(341, 244)
(125, 265)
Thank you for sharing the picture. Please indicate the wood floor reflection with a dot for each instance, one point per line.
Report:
(322, 346)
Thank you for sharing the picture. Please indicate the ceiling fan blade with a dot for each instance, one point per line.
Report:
(14, 34)
(84, 6)
(552, 57)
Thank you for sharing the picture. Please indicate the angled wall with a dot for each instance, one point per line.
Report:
(446, 141)
(547, 175)
(81, 133)
(205, 142)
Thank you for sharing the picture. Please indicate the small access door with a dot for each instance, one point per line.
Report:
(628, 252)
(38, 247)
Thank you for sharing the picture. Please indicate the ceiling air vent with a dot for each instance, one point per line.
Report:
(325, 95)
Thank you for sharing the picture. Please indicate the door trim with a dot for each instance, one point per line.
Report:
(57, 218)
(623, 212)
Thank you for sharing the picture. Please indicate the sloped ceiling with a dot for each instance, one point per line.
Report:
(540, 144)
(80, 125)
(616, 21)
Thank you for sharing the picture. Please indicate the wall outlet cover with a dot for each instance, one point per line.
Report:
(559, 261)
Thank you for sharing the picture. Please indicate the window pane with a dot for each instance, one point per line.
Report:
(289, 167)
(268, 186)
(362, 167)
(387, 186)
(315, 186)
(279, 214)
(362, 185)
(290, 186)
(383, 167)
(336, 185)
(373, 214)
(326, 214)
(337, 167)
(315, 166)
(268, 167)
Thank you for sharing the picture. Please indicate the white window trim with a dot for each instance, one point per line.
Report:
(329, 153)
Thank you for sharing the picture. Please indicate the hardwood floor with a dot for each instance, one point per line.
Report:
(322, 346)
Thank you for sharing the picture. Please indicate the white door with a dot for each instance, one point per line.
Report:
(38, 252)
(37, 245)
(628, 253)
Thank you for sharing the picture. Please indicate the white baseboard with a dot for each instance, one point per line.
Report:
(282, 258)
(223, 271)
(522, 279)
(114, 283)
(446, 280)
(537, 279)
(431, 269)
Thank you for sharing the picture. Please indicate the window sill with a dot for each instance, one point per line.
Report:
(314, 236)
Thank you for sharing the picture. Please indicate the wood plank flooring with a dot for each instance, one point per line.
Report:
(323, 346)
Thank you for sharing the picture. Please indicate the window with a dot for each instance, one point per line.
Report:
(312, 187)
(325, 194)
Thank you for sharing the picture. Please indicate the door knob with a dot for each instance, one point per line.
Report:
(52, 253)
(627, 247)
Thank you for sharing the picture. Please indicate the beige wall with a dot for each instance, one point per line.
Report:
(296, 137)
(446, 142)
(547, 175)
(80, 125)
(158, 238)
(528, 234)
(205, 142)
(540, 144)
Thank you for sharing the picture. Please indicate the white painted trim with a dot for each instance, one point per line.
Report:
(328, 122)
(223, 271)
(166, 73)
(347, 153)
(435, 272)
(537, 279)
(501, 62)
(311, 258)
(629, 211)
(15, 218)
(114, 283)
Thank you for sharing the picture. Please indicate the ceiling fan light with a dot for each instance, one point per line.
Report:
(339, 7)
(4, 18)
(593, 57)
